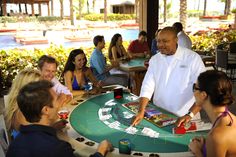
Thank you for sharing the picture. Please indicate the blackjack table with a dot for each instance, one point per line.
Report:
(85, 120)
(134, 65)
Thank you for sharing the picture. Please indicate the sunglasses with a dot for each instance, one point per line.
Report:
(195, 87)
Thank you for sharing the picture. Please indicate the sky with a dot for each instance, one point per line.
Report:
(211, 5)
(192, 5)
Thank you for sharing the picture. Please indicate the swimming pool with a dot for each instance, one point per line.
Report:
(8, 42)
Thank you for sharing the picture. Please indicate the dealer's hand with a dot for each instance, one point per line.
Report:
(137, 119)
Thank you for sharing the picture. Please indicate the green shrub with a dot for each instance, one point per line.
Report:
(14, 60)
(194, 13)
(14, 19)
(207, 41)
(110, 17)
(48, 18)
(9, 19)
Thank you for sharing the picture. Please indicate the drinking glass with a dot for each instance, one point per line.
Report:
(63, 113)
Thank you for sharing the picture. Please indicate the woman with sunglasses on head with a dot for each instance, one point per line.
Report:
(213, 91)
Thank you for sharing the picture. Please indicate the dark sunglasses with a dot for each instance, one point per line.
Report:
(195, 87)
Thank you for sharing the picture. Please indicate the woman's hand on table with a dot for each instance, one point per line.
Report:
(182, 120)
(104, 147)
(196, 146)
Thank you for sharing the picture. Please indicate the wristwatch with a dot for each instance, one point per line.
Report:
(190, 114)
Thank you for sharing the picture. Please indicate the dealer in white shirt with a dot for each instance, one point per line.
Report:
(170, 77)
(183, 38)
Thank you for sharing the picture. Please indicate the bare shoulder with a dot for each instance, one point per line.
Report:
(114, 48)
(88, 71)
(68, 73)
(222, 134)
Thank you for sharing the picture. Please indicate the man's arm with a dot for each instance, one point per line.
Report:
(143, 103)
(103, 148)
(60, 88)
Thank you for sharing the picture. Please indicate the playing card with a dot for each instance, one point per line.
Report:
(127, 115)
(110, 103)
(114, 124)
(149, 132)
(105, 117)
(131, 130)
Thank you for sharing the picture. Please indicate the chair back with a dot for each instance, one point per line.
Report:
(221, 58)
(2, 152)
(4, 140)
(232, 47)
(5, 97)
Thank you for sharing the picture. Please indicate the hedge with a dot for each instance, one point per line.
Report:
(110, 17)
(14, 60)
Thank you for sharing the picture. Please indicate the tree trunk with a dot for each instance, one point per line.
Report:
(88, 6)
(227, 7)
(165, 11)
(61, 9)
(234, 20)
(183, 12)
(94, 1)
(52, 8)
(136, 11)
(71, 13)
(205, 6)
(105, 11)
(80, 9)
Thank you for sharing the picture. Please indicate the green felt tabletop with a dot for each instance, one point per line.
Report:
(85, 120)
(136, 64)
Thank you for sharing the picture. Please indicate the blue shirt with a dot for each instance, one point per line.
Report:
(154, 48)
(98, 64)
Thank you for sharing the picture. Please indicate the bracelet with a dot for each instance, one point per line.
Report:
(190, 114)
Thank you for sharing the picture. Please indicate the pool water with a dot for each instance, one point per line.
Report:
(8, 42)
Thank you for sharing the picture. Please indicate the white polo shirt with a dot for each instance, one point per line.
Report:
(60, 88)
(170, 78)
(184, 40)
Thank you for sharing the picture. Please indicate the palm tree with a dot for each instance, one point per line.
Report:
(205, 6)
(94, 1)
(227, 6)
(183, 12)
(136, 11)
(165, 11)
(105, 11)
(52, 8)
(80, 8)
(71, 13)
(61, 9)
(88, 6)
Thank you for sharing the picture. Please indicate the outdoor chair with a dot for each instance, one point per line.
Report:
(226, 63)
(4, 140)
(232, 47)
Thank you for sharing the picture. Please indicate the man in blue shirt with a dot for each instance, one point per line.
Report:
(100, 68)
(39, 103)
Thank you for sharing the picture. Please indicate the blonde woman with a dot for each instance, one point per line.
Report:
(13, 116)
